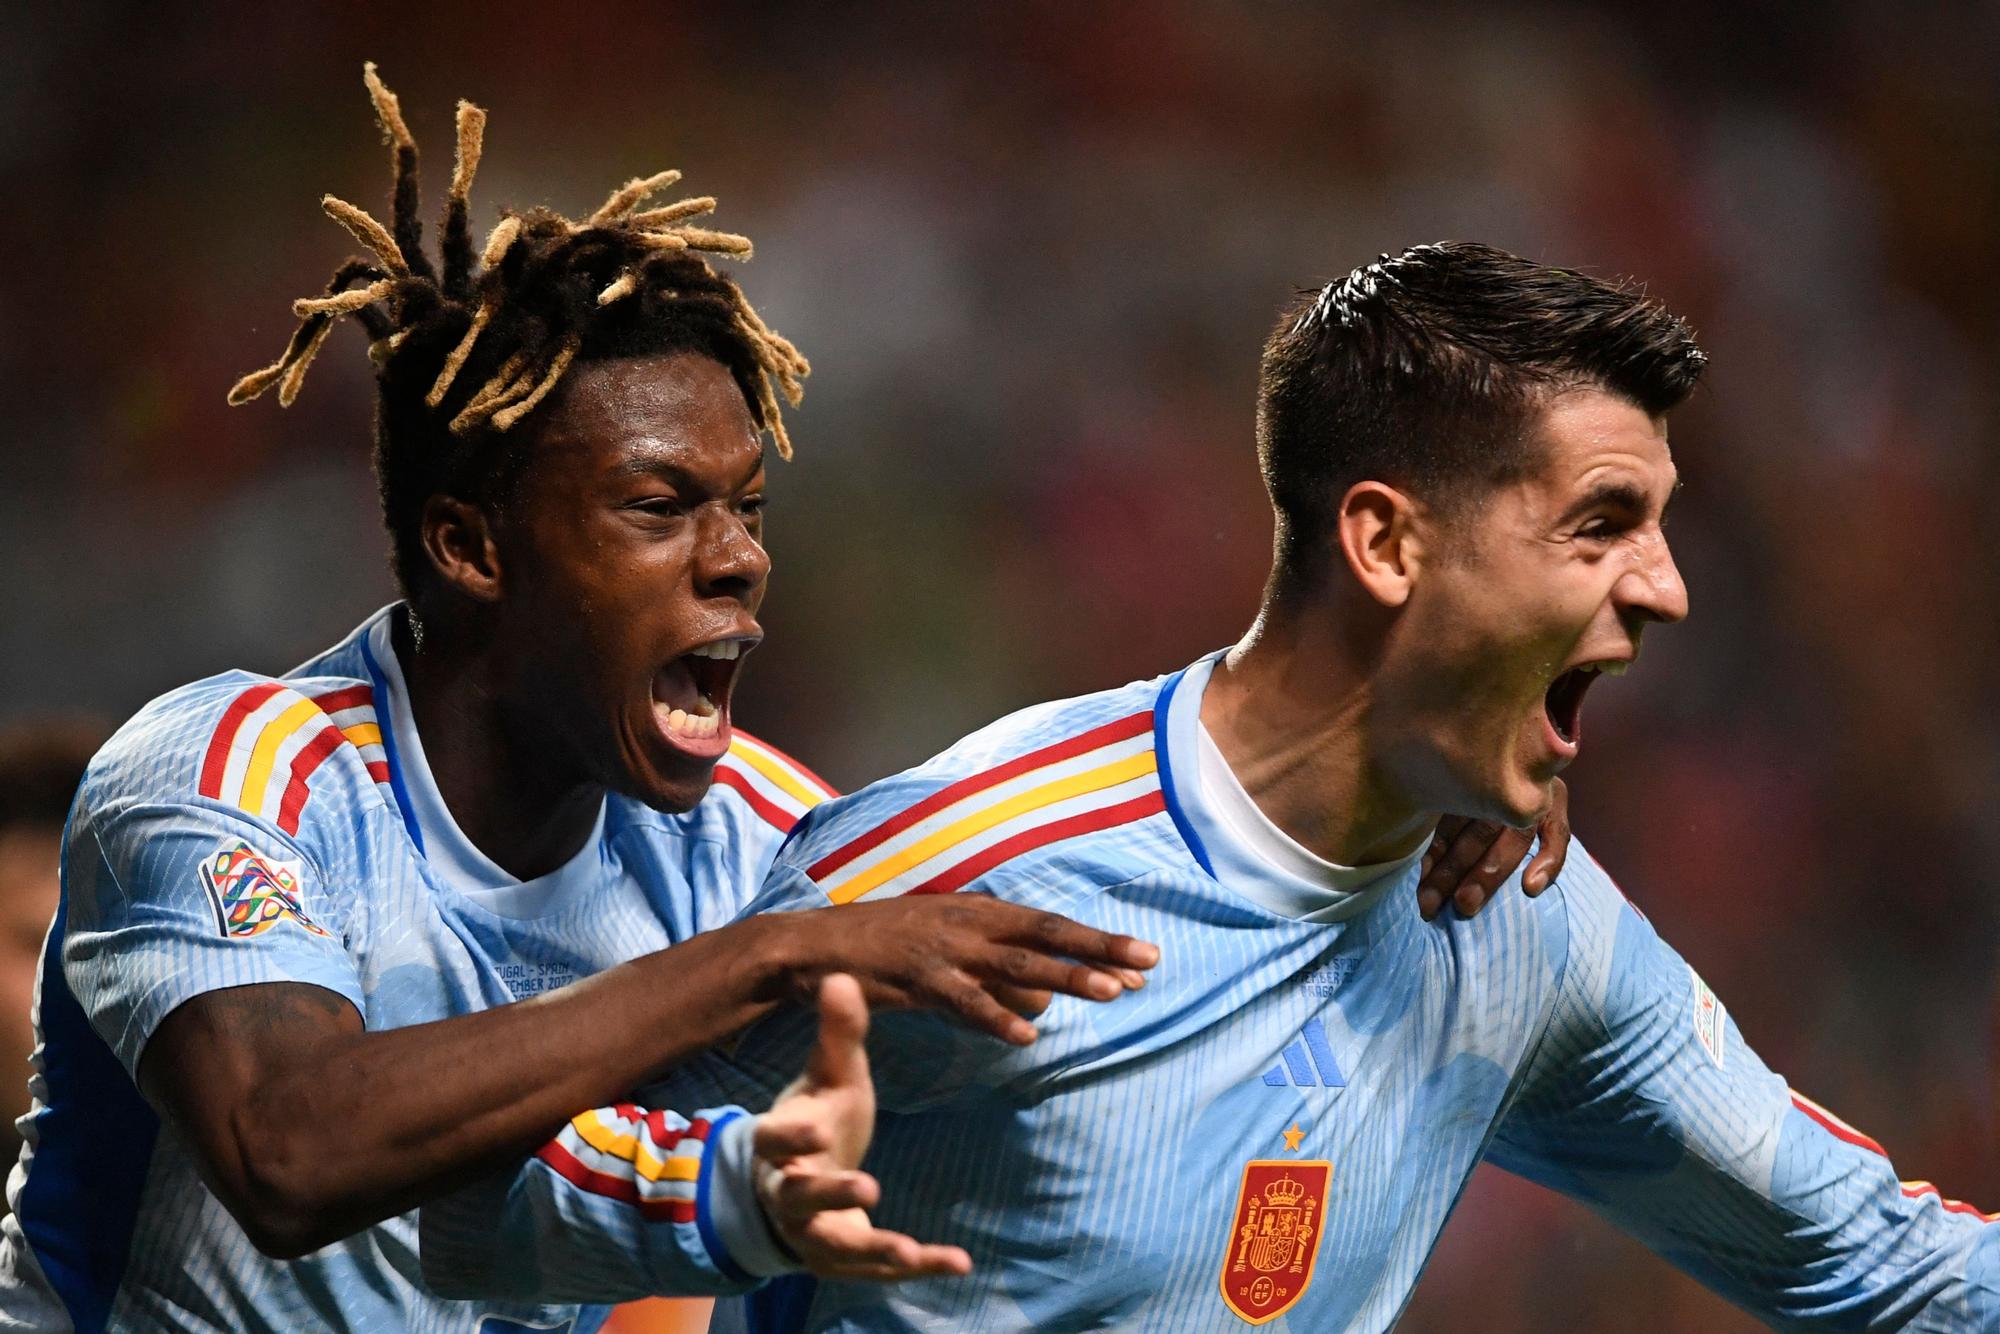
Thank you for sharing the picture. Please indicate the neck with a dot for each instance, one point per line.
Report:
(1290, 708)
(501, 789)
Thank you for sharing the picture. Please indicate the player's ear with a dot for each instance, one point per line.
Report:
(458, 539)
(1382, 540)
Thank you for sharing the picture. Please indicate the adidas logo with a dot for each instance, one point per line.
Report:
(1307, 1061)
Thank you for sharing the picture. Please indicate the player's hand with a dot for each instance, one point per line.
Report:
(808, 1151)
(991, 964)
(1468, 860)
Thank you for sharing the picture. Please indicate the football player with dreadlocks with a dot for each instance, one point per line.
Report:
(275, 1004)
(334, 942)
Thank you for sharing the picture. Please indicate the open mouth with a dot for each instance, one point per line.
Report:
(691, 694)
(1564, 700)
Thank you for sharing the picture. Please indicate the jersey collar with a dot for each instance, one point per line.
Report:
(1236, 841)
(443, 845)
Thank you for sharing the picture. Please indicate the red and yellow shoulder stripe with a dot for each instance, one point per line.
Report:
(635, 1156)
(1104, 777)
(776, 786)
(272, 739)
(1914, 1190)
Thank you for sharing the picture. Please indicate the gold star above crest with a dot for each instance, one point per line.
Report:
(1293, 1136)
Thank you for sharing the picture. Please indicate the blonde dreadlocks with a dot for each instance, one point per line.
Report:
(463, 356)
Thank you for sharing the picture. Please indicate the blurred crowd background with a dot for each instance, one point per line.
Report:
(1032, 249)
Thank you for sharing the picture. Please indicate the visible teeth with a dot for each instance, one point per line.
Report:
(726, 649)
(1612, 668)
(706, 721)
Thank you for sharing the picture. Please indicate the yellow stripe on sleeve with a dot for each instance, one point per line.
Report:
(787, 781)
(634, 1150)
(363, 734)
(1090, 780)
(257, 777)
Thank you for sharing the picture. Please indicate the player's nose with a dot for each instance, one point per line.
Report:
(729, 560)
(1653, 590)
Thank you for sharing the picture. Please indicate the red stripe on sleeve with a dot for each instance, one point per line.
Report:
(790, 763)
(309, 758)
(771, 814)
(1110, 732)
(347, 697)
(217, 759)
(572, 1169)
(1088, 822)
(378, 770)
(1838, 1129)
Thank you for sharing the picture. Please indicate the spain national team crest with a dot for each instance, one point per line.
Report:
(1279, 1215)
(252, 893)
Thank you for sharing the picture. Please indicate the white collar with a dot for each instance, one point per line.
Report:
(1245, 850)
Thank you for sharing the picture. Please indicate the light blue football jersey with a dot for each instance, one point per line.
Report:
(248, 829)
(1275, 1130)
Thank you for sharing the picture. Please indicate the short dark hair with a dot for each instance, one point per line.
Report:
(41, 764)
(1423, 369)
(462, 354)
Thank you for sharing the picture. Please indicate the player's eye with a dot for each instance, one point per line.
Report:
(751, 506)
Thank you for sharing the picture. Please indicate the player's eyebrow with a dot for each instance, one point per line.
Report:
(1615, 495)
(663, 467)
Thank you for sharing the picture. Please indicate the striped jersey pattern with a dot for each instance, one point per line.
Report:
(1100, 778)
(271, 740)
(645, 1159)
(245, 830)
(771, 783)
(1381, 1055)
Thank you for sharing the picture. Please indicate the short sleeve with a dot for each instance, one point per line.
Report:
(166, 901)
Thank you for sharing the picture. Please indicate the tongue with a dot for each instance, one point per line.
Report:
(674, 686)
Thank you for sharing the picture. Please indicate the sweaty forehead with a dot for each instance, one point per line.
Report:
(682, 410)
(1590, 437)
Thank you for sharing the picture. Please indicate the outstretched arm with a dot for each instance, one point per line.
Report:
(629, 1201)
(1646, 1103)
(310, 1127)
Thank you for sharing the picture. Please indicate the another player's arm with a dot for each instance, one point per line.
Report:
(500, 1235)
(1646, 1103)
(601, 1214)
(308, 1127)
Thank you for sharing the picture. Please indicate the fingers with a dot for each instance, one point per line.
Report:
(1054, 934)
(802, 1193)
(779, 1139)
(1483, 881)
(839, 1059)
(1027, 969)
(976, 1005)
(1554, 832)
(1451, 859)
(842, 1244)
(1024, 1001)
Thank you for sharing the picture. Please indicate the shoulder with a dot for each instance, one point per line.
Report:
(1618, 966)
(989, 807)
(267, 747)
(759, 793)
(760, 781)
